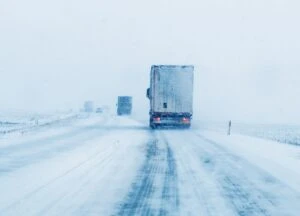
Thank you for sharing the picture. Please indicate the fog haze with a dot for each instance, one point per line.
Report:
(56, 54)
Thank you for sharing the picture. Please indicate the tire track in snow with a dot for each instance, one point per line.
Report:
(22, 155)
(143, 188)
(88, 176)
(198, 189)
(155, 190)
(170, 195)
(107, 154)
(239, 191)
(247, 188)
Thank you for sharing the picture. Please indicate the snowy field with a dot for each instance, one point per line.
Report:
(289, 134)
(21, 122)
(107, 165)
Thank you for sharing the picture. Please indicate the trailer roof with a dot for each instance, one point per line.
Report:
(172, 66)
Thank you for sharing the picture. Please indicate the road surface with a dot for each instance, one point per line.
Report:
(120, 167)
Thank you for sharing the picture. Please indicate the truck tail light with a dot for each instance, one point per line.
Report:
(156, 119)
(184, 119)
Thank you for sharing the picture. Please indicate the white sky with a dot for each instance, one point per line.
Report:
(56, 54)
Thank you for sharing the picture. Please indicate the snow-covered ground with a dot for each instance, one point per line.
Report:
(107, 165)
(283, 133)
(11, 122)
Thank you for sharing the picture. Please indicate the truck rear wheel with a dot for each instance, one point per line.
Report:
(152, 126)
(188, 126)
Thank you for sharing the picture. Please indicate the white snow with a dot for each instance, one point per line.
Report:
(280, 160)
(95, 165)
(107, 165)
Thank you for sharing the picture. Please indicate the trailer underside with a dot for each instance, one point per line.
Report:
(170, 120)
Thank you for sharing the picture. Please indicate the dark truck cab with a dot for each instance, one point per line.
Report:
(124, 105)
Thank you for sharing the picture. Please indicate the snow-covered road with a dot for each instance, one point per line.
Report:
(117, 166)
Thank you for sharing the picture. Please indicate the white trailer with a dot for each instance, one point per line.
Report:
(171, 95)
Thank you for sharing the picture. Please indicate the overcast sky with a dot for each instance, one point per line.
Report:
(56, 54)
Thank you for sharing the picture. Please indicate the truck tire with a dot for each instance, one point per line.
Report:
(152, 125)
(187, 126)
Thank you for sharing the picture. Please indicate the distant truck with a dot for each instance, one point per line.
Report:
(88, 106)
(124, 105)
(99, 110)
(171, 95)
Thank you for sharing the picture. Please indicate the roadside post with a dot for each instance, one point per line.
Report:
(229, 128)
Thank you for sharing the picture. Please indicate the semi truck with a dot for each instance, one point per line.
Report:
(124, 105)
(88, 106)
(171, 95)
